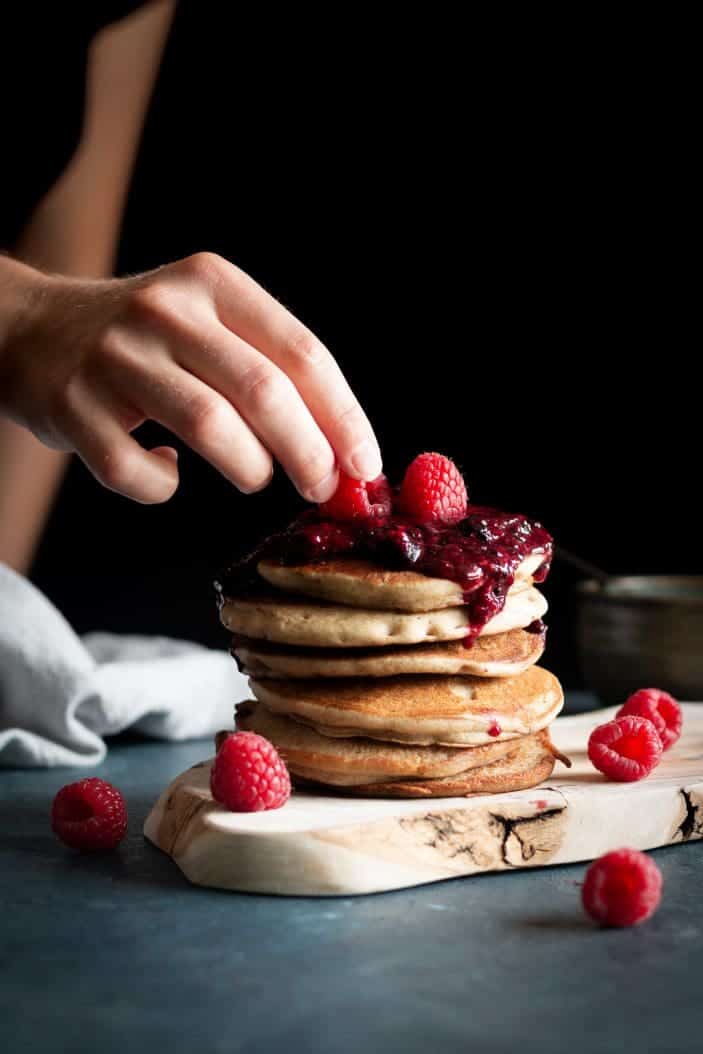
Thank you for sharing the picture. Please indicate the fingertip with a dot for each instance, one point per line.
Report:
(164, 475)
(323, 490)
(254, 486)
(168, 453)
(365, 462)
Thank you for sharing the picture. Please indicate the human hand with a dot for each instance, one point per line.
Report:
(197, 346)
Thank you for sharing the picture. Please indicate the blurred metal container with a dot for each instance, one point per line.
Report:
(642, 631)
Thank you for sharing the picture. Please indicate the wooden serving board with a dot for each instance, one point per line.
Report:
(325, 845)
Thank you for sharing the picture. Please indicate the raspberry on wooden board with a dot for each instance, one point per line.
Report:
(658, 707)
(625, 749)
(248, 774)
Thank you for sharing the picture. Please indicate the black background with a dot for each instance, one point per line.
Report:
(490, 233)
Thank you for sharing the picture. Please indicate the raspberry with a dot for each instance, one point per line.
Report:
(658, 707)
(354, 499)
(625, 749)
(622, 888)
(433, 490)
(380, 495)
(90, 814)
(248, 774)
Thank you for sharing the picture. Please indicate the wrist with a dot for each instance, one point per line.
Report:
(22, 290)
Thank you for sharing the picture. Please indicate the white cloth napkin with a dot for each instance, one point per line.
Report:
(60, 694)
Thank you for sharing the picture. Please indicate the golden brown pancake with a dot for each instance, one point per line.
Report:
(363, 584)
(502, 655)
(530, 764)
(352, 762)
(320, 625)
(455, 711)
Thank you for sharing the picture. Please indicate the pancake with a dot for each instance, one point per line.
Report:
(353, 762)
(360, 583)
(455, 711)
(502, 655)
(320, 625)
(349, 765)
(530, 764)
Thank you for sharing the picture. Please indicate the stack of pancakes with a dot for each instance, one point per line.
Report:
(363, 680)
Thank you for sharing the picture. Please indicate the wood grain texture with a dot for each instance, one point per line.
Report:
(326, 846)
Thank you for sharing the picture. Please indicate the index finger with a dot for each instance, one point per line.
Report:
(253, 314)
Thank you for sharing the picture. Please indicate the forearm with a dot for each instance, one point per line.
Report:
(30, 473)
(18, 287)
(195, 345)
(74, 232)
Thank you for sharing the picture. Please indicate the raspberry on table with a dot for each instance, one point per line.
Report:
(356, 499)
(625, 749)
(248, 774)
(658, 707)
(89, 814)
(622, 888)
(433, 490)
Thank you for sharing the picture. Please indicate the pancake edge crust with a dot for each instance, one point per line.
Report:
(466, 724)
(520, 650)
(511, 774)
(360, 583)
(358, 761)
(321, 625)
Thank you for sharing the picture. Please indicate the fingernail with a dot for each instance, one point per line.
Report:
(324, 489)
(166, 453)
(366, 461)
(165, 479)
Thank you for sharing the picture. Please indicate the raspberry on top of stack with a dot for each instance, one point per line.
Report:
(392, 638)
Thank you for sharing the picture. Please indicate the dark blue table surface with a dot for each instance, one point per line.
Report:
(114, 953)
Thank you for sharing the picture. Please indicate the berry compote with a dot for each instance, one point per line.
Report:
(481, 553)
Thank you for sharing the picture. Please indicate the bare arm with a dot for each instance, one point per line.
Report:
(196, 345)
(74, 231)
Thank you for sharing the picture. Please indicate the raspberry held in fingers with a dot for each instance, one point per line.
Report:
(354, 499)
(622, 888)
(350, 501)
(380, 495)
(626, 749)
(658, 707)
(89, 814)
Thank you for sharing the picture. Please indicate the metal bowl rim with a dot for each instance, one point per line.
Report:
(684, 591)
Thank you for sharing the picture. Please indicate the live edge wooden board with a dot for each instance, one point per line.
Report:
(325, 845)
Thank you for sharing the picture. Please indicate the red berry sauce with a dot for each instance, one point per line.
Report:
(537, 626)
(481, 553)
(494, 729)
